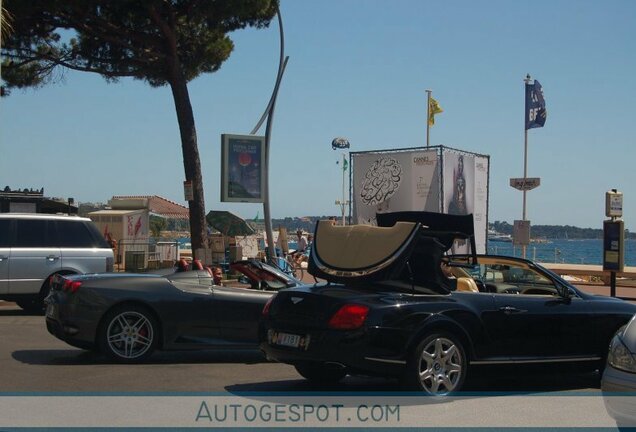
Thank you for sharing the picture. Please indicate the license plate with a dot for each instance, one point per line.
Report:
(286, 339)
(50, 310)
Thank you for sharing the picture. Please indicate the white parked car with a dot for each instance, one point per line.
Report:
(34, 247)
(619, 378)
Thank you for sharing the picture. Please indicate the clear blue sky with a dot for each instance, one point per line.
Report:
(359, 69)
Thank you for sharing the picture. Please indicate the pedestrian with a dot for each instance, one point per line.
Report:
(301, 242)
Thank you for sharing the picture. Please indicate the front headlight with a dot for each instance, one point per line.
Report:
(620, 357)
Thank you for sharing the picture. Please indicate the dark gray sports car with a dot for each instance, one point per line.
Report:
(128, 316)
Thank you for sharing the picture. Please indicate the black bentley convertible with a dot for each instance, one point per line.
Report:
(388, 308)
(128, 316)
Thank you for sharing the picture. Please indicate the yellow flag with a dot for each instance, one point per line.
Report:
(433, 108)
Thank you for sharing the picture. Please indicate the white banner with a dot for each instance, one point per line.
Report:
(395, 181)
(480, 210)
(412, 180)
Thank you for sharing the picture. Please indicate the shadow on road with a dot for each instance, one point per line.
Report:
(79, 357)
(517, 381)
(16, 311)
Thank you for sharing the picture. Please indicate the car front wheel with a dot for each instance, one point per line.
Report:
(437, 366)
(128, 334)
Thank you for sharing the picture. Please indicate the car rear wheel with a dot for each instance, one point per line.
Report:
(437, 366)
(128, 334)
(321, 374)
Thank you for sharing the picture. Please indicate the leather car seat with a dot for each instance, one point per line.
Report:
(467, 284)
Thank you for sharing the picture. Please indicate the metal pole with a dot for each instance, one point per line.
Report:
(613, 284)
(428, 116)
(525, 162)
(344, 202)
(269, 112)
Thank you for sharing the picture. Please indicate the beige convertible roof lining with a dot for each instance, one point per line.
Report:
(345, 252)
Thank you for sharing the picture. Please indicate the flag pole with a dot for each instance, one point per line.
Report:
(525, 161)
(428, 116)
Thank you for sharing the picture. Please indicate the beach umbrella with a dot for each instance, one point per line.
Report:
(228, 224)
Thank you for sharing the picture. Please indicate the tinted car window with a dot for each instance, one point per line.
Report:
(75, 234)
(98, 239)
(32, 233)
(4, 232)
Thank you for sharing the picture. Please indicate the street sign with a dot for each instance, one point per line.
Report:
(521, 233)
(527, 184)
(188, 192)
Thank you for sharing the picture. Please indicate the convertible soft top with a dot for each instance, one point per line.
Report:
(361, 253)
(446, 228)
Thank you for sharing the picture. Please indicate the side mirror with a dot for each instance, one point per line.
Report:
(565, 292)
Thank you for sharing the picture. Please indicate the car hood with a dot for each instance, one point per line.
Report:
(629, 335)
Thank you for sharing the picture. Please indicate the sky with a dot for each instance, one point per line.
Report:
(359, 69)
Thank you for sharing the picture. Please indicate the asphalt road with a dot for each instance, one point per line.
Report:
(31, 360)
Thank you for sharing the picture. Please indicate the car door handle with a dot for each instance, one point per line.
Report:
(52, 258)
(508, 310)
(3, 257)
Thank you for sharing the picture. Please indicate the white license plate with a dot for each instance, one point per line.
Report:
(50, 310)
(286, 339)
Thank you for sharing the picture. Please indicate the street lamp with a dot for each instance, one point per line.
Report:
(342, 143)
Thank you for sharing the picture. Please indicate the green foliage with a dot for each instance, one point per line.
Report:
(88, 207)
(150, 40)
(157, 224)
(162, 42)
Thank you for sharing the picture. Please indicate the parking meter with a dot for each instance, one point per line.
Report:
(613, 245)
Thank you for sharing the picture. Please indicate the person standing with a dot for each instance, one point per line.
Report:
(301, 240)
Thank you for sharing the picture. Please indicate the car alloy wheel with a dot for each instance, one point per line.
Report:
(438, 365)
(129, 334)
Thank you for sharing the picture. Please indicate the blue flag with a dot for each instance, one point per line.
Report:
(536, 113)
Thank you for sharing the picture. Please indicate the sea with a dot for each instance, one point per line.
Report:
(564, 251)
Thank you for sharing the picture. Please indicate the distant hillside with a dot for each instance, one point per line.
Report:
(307, 223)
(557, 231)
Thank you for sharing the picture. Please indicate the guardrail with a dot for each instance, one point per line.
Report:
(597, 281)
(136, 256)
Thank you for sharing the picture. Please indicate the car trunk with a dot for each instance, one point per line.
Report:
(312, 307)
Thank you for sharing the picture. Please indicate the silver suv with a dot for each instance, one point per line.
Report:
(33, 247)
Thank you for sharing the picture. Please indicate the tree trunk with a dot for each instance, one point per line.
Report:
(191, 161)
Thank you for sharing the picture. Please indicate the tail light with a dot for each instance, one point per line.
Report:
(349, 317)
(266, 307)
(71, 286)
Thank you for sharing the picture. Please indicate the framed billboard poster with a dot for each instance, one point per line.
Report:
(242, 168)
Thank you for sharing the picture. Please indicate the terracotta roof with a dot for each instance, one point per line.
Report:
(161, 206)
